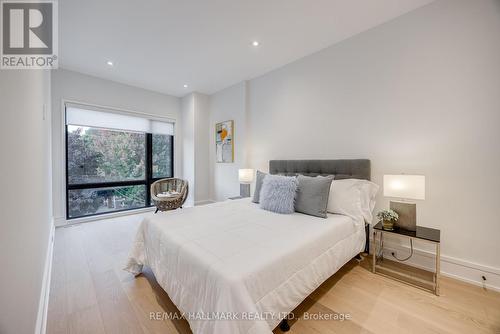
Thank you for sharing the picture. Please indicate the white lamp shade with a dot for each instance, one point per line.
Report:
(245, 175)
(404, 186)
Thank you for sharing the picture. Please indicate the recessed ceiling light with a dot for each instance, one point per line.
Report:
(109, 62)
(185, 86)
(255, 43)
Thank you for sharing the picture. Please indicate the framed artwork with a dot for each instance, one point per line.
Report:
(224, 141)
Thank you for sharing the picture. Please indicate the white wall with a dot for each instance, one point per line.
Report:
(202, 161)
(228, 104)
(25, 201)
(419, 94)
(195, 147)
(188, 142)
(73, 86)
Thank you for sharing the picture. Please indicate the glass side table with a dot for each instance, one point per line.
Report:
(425, 234)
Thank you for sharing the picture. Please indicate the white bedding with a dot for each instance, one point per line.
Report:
(235, 257)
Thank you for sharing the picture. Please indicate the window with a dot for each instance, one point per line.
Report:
(101, 155)
(91, 201)
(110, 168)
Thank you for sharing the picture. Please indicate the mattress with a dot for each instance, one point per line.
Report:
(231, 267)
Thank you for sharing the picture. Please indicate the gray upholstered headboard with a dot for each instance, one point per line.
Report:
(342, 168)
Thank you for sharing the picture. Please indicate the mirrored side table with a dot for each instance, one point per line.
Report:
(426, 234)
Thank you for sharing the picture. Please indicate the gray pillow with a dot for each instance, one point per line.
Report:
(258, 186)
(312, 195)
(278, 193)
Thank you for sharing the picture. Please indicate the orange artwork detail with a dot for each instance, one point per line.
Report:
(223, 134)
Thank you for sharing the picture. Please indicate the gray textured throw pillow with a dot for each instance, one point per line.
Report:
(258, 186)
(312, 195)
(278, 193)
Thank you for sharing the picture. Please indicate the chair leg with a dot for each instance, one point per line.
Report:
(156, 210)
(284, 326)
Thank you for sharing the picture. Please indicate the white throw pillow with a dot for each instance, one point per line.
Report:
(278, 193)
(353, 197)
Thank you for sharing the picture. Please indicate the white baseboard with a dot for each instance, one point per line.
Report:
(41, 320)
(203, 202)
(59, 221)
(451, 267)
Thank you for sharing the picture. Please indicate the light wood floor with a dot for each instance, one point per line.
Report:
(90, 293)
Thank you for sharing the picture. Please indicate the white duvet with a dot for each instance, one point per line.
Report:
(241, 267)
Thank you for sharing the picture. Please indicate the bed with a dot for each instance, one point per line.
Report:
(231, 267)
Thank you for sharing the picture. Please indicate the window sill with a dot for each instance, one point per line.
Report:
(110, 215)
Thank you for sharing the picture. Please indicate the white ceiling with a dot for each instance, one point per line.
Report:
(163, 44)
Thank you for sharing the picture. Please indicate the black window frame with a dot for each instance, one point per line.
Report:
(149, 179)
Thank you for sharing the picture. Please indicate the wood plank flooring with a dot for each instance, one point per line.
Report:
(90, 293)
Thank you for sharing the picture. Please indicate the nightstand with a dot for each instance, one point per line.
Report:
(429, 235)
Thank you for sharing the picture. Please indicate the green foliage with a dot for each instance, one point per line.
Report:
(162, 146)
(107, 155)
(389, 215)
(83, 202)
(99, 155)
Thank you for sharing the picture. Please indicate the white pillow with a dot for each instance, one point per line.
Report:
(353, 197)
(368, 193)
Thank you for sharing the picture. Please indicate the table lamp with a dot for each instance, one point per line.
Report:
(245, 177)
(405, 187)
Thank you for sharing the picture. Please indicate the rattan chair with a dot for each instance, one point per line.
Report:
(165, 185)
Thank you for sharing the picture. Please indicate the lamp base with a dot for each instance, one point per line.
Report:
(407, 215)
(244, 190)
